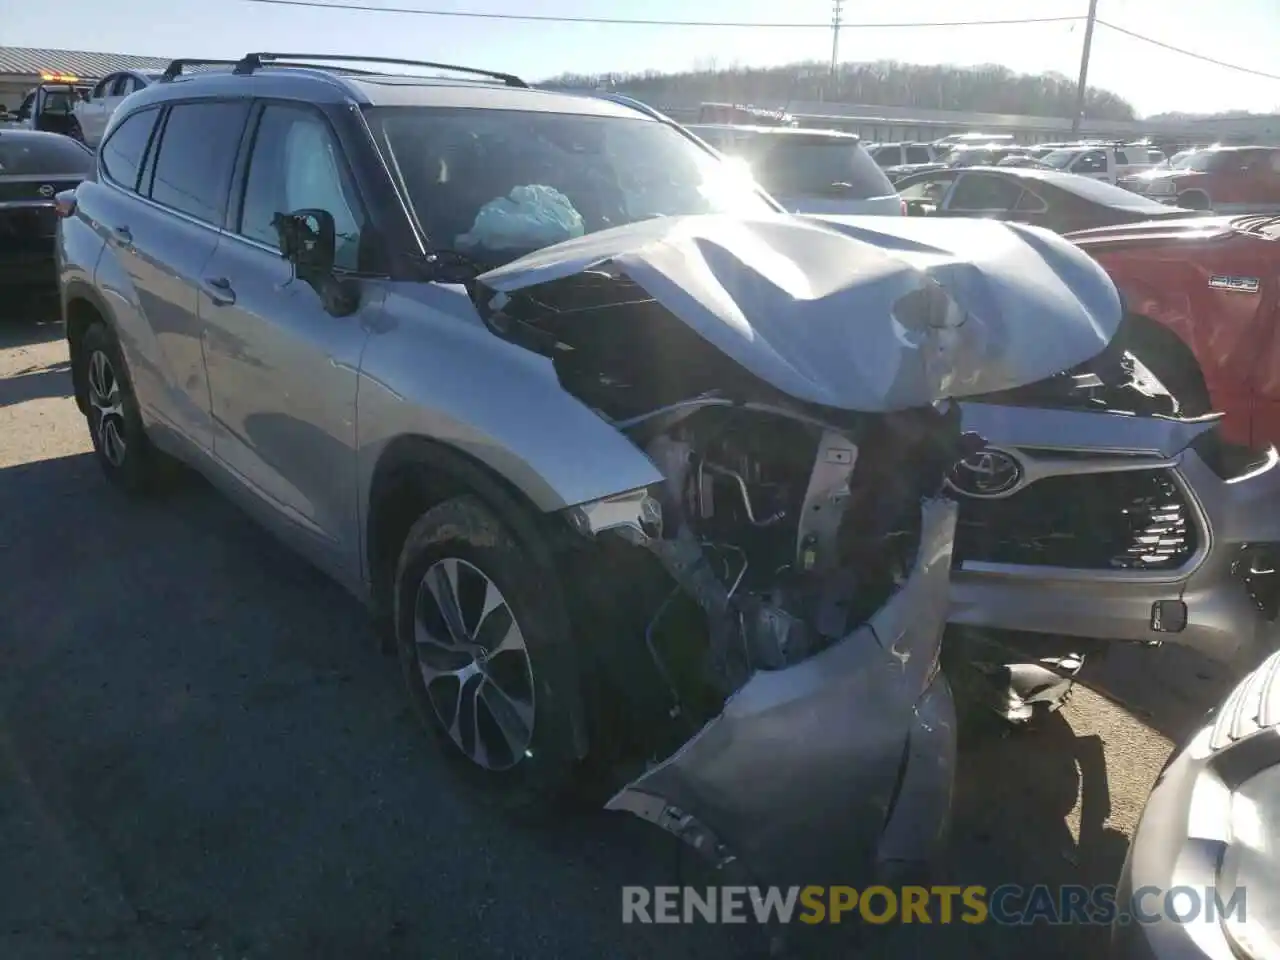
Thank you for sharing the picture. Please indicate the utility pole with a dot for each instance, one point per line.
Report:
(1084, 69)
(837, 14)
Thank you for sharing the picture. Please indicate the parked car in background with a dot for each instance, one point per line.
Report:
(1043, 197)
(1203, 298)
(34, 167)
(1107, 162)
(1221, 179)
(808, 171)
(93, 113)
(900, 154)
(1141, 182)
(1211, 826)
(958, 139)
(50, 106)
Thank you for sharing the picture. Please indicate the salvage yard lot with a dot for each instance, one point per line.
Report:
(202, 754)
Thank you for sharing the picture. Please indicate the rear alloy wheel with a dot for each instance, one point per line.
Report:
(106, 411)
(487, 654)
(115, 426)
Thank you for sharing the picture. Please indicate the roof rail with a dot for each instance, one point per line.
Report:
(255, 61)
(175, 68)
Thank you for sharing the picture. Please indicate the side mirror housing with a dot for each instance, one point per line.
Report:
(308, 240)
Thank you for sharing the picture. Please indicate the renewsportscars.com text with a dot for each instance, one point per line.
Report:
(1007, 905)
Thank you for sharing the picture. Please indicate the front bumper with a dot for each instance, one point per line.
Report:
(1184, 831)
(833, 770)
(1223, 621)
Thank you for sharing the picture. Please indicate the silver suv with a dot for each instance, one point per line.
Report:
(644, 474)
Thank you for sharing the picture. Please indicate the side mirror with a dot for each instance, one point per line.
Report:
(308, 240)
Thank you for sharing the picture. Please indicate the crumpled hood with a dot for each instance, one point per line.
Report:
(860, 313)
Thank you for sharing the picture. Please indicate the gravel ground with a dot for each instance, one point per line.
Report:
(202, 755)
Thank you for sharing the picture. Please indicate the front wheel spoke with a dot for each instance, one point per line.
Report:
(442, 581)
(479, 751)
(98, 374)
(513, 717)
(113, 443)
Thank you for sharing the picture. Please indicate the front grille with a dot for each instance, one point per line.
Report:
(1131, 520)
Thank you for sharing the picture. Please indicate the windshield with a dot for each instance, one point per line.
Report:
(43, 156)
(497, 184)
(1060, 159)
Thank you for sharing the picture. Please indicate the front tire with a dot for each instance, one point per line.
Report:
(1194, 200)
(120, 443)
(486, 649)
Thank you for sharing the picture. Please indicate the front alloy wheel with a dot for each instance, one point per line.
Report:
(474, 663)
(106, 411)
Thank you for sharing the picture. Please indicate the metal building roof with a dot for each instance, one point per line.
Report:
(32, 61)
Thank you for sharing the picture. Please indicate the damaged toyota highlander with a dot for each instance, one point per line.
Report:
(648, 477)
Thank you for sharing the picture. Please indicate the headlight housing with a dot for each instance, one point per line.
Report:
(1162, 187)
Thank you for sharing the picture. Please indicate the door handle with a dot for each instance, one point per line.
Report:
(220, 291)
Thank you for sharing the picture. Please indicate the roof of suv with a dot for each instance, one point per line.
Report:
(334, 85)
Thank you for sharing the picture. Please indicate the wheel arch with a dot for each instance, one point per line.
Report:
(415, 473)
(1197, 192)
(82, 306)
(1148, 337)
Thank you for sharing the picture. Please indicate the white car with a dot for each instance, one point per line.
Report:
(93, 115)
(823, 172)
(1107, 162)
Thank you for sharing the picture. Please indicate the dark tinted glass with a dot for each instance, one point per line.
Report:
(197, 151)
(793, 164)
(43, 156)
(122, 154)
(917, 154)
(981, 192)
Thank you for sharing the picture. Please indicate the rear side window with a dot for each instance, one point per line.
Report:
(122, 154)
(917, 155)
(977, 191)
(798, 164)
(197, 151)
(38, 156)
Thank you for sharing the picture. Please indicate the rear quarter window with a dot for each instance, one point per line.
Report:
(43, 157)
(122, 153)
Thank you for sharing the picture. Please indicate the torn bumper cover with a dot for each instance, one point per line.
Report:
(841, 760)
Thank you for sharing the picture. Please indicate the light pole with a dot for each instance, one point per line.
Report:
(1084, 69)
(837, 13)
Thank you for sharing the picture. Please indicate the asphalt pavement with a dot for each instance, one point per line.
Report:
(203, 755)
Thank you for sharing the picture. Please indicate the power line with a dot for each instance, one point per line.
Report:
(1187, 53)
(618, 21)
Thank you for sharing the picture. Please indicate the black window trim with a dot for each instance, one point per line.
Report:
(157, 141)
(105, 175)
(233, 212)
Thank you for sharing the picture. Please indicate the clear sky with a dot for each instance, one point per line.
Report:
(1244, 32)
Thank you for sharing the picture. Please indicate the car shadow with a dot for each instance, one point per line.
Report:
(29, 317)
(36, 383)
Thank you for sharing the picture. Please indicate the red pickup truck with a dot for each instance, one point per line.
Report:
(1202, 312)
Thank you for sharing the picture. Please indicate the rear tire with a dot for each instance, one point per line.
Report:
(487, 654)
(120, 443)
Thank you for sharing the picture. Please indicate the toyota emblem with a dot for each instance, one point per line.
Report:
(46, 190)
(988, 473)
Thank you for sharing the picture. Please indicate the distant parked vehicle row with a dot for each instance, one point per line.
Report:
(1109, 162)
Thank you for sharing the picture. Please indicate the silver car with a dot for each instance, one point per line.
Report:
(642, 473)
